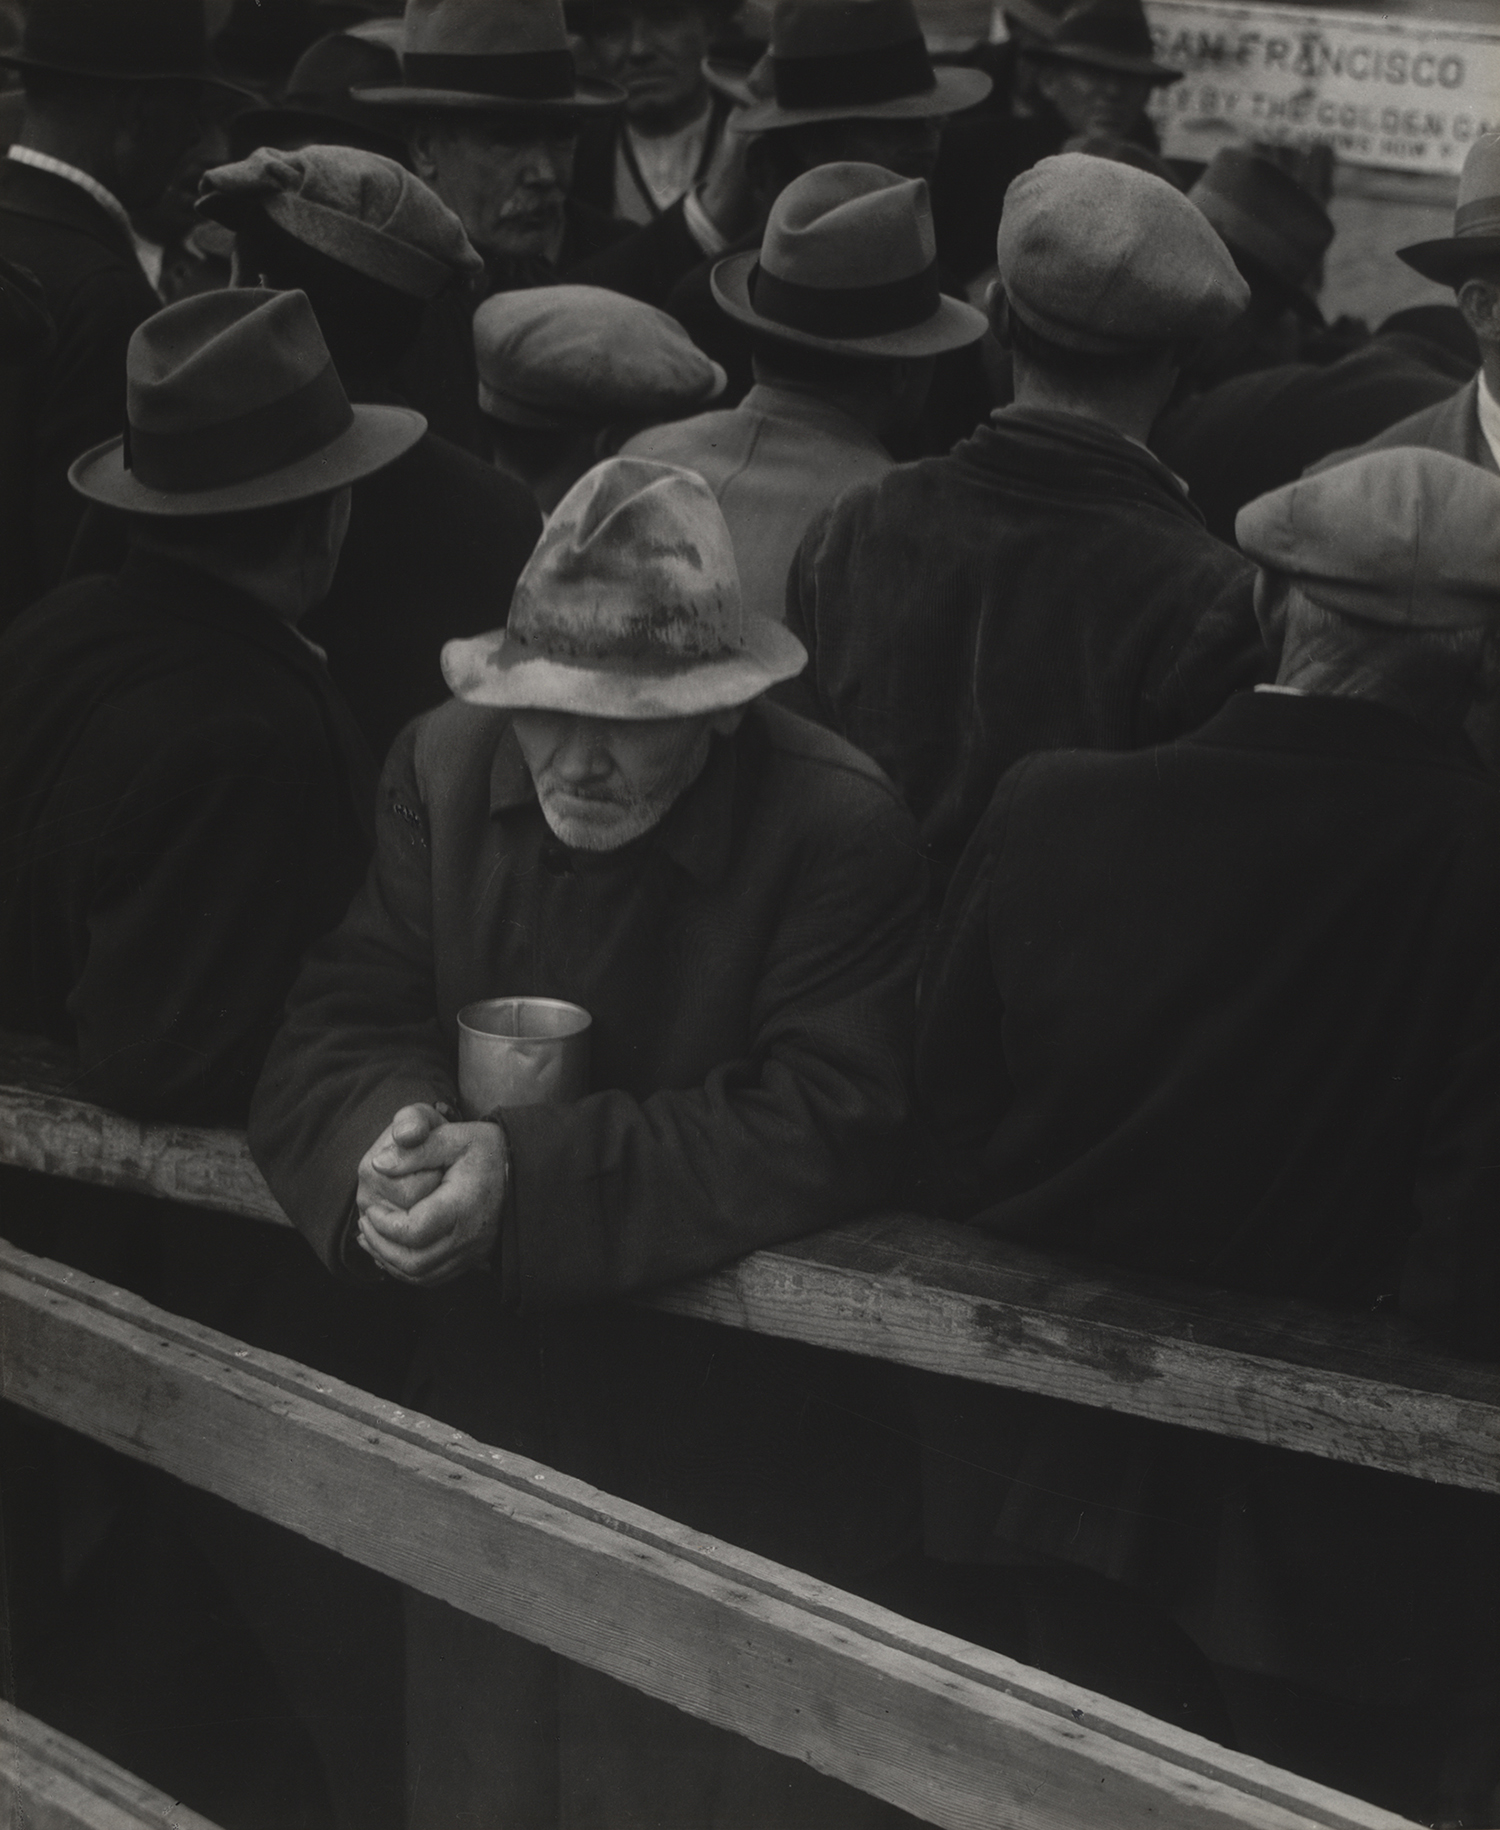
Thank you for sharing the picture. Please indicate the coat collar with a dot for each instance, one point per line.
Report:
(1067, 453)
(26, 191)
(697, 833)
(804, 409)
(1317, 724)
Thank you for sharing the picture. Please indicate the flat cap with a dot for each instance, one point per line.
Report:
(1097, 255)
(357, 207)
(1409, 538)
(576, 358)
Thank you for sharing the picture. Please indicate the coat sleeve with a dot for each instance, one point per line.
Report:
(199, 907)
(804, 1127)
(361, 1037)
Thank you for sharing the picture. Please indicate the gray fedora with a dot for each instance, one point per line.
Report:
(488, 56)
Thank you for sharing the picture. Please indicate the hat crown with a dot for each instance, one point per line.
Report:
(1407, 537)
(841, 28)
(635, 567)
(122, 38)
(1261, 209)
(1478, 211)
(328, 69)
(844, 52)
(483, 28)
(1119, 26)
(848, 225)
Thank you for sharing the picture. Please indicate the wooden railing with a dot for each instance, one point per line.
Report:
(957, 1735)
(50, 1782)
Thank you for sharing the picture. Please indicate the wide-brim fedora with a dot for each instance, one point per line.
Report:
(122, 41)
(316, 108)
(1107, 35)
(847, 60)
(848, 264)
(1275, 228)
(512, 56)
(629, 608)
(1475, 241)
(234, 404)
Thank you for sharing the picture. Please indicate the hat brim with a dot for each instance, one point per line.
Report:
(589, 95)
(17, 60)
(954, 90)
(497, 671)
(378, 437)
(1094, 58)
(258, 127)
(1451, 261)
(952, 326)
(507, 410)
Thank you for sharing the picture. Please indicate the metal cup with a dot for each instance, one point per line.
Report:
(521, 1052)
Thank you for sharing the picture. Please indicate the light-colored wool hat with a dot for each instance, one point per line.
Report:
(488, 56)
(1475, 241)
(846, 60)
(1271, 224)
(233, 403)
(629, 608)
(1096, 255)
(1407, 537)
(848, 264)
(359, 208)
(575, 358)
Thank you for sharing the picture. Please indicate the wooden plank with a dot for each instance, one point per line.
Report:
(959, 1736)
(50, 1782)
(943, 1298)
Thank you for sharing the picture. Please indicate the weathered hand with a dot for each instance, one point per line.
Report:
(727, 194)
(388, 1171)
(453, 1228)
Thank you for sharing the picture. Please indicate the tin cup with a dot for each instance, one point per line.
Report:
(521, 1052)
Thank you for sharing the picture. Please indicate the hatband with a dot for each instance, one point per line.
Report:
(269, 437)
(517, 76)
(876, 73)
(847, 311)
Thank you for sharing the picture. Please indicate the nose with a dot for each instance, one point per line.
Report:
(542, 167)
(581, 760)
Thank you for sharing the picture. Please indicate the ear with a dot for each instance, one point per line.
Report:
(1479, 301)
(420, 136)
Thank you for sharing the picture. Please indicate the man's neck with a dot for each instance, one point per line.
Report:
(1130, 412)
(660, 123)
(1439, 714)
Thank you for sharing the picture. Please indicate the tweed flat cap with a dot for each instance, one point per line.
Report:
(357, 207)
(1096, 255)
(579, 357)
(1409, 538)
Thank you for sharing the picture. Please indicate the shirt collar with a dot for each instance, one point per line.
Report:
(106, 199)
(1489, 417)
(697, 832)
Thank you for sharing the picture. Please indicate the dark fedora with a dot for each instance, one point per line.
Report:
(136, 41)
(1475, 241)
(848, 265)
(1276, 229)
(843, 60)
(1107, 35)
(316, 107)
(489, 55)
(233, 403)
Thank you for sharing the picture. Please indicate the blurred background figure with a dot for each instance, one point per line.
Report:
(568, 373)
(638, 162)
(315, 108)
(114, 92)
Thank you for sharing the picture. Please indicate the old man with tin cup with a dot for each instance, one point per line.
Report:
(609, 813)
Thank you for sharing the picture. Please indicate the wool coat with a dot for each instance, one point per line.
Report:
(748, 965)
(1048, 584)
(773, 462)
(97, 294)
(186, 806)
(1229, 1011)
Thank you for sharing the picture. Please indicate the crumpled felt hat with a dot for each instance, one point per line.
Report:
(841, 60)
(133, 41)
(1475, 241)
(1097, 255)
(316, 108)
(1107, 35)
(1274, 226)
(489, 56)
(848, 264)
(575, 358)
(1406, 537)
(359, 208)
(629, 608)
(232, 404)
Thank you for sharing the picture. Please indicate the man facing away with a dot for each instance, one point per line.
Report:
(843, 303)
(1229, 1010)
(609, 814)
(1047, 583)
(112, 98)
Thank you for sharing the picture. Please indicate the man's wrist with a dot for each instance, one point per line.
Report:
(701, 226)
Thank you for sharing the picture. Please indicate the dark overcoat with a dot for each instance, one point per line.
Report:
(1046, 584)
(1229, 1011)
(185, 804)
(97, 295)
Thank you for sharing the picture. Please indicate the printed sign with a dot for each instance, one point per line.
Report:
(1406, 94)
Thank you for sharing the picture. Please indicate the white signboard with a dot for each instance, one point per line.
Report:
(1407, 94)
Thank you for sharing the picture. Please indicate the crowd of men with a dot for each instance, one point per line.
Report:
(888, 593)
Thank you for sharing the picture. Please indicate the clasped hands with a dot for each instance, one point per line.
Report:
(430, 1194)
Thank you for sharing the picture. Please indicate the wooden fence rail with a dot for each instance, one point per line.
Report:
(944, 1298)
(50, 1782)
(958, 1736)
